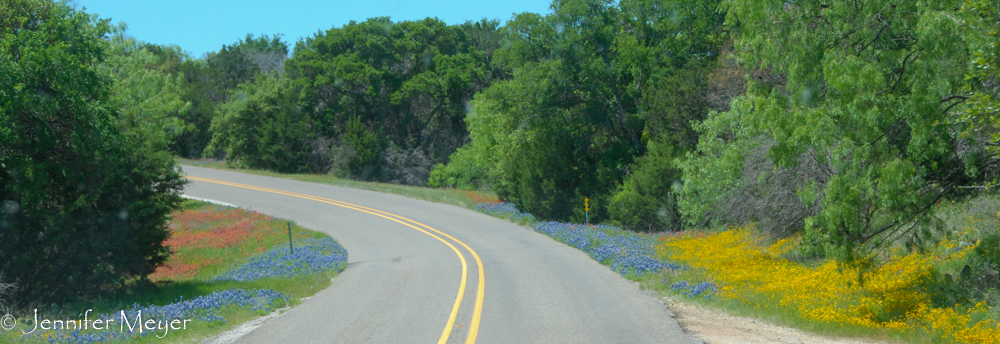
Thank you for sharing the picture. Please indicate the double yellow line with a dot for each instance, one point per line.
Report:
(477, 311)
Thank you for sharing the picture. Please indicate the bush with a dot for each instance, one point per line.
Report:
(645, 202)
(85, 198)
(263, 127)
(461, 172)
(405, 166)
(331, 156)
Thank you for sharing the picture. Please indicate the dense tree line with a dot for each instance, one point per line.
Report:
(844, 121)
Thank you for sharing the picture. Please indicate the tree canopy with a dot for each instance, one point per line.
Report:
(862, 93)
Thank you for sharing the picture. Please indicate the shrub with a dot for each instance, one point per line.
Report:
(409, 166)
(646, 201)
(262, 126)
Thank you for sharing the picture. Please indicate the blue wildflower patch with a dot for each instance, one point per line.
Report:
(505, 210)
(627, 253)
(311, 255)
(704, 289)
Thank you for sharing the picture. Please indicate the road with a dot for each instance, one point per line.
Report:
(405, 274)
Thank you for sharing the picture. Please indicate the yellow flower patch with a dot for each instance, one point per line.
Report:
(888, 297)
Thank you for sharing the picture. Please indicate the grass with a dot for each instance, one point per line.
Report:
(462, 198)
(208, 240)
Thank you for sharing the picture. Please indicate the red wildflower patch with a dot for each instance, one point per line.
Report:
(478, 198)
(220, 237)
(178, 269)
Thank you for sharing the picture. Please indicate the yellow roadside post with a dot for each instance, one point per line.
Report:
(586, 208)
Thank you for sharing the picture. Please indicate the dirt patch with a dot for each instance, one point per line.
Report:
(714, 327)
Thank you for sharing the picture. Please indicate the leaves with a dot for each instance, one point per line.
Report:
(86, 189)
(865, 91)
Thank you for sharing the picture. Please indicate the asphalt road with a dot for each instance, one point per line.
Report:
(403, 280)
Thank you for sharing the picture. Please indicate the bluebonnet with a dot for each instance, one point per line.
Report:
(627, 253)
(693, 290)
(504, 210)
(310, 255)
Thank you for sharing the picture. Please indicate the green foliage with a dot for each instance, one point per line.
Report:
(262, 126)
(240, 62)
(85, 192)
(646, 201)
(210, 81)
(989, 251)
(981, 117)
(461, 172)
(590, 83)
(406, 82)
(364, 144)
(148, 99)
(863, 91)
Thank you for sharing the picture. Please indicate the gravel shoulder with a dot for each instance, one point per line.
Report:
(716, 327)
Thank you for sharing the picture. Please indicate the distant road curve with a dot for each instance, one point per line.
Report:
(405, 281)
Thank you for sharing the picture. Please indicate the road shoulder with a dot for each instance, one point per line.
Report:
(717, 327)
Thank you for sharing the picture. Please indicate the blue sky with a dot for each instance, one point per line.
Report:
(200, 26)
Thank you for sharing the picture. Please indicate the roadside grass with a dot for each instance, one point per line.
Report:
(208, 241)
(462, 198)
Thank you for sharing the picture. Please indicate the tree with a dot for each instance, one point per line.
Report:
(240, 62)
(591, 84)
(211, 80)
(262, 126)
(647, 200)
(980, 119)
(408, 83)
(147, 96)
(862, 91)
(85, 198)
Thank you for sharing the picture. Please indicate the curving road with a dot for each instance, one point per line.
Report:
(405, 281)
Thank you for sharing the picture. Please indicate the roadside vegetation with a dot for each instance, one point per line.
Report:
(229, 265)
(944, 295)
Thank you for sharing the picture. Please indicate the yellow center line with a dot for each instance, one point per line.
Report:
(480, 290)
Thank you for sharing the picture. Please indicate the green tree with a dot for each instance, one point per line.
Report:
(860, 92)
(647, 199)
(85, 198)
(211, 80)
(147, 97)
(981, 117)
(262, 126)
(408, 83)
(591, 83)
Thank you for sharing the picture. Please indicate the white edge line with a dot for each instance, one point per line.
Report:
(209, 201)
